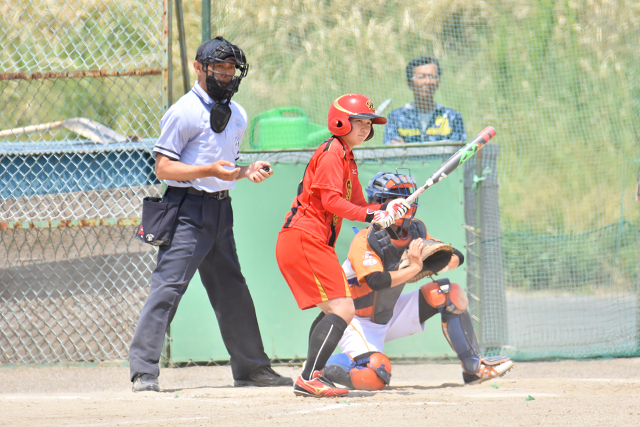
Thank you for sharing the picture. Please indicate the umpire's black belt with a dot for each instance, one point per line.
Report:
(216, 195)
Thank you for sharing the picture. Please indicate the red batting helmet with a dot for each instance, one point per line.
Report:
(353, 106)
(372, 371)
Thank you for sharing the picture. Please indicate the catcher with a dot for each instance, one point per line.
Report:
(379, 264)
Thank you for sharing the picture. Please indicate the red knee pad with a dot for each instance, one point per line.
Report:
(455, 301)
(458, 301)
(372, 372)
(433, 294)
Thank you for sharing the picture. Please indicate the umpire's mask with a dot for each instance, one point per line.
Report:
(215, 51)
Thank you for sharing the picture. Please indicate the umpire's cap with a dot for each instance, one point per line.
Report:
(218, 50)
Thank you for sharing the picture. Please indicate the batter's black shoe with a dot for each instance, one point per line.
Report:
(264, 376)
(145, 382)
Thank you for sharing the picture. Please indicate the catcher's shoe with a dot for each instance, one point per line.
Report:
(318, 386)
(145, 382)
(489, 368)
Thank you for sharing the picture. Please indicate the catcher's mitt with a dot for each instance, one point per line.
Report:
(435, 256)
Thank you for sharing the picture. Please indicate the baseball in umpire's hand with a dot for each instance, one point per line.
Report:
(259, 171)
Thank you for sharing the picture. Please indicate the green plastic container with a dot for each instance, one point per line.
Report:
(285, 128)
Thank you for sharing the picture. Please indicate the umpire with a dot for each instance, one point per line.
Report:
(195, 155)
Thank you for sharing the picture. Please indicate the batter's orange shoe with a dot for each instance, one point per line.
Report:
(489, 368)
(318, 386)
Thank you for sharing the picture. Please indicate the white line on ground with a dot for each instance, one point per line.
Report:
(48, 397)
(497, 394)
(348, 405)
(430, 403)
(324, 408)
(153, 421)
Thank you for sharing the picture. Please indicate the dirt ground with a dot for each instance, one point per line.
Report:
(567, 393)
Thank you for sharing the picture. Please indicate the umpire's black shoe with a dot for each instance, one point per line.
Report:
(145, 382)
(264, 376)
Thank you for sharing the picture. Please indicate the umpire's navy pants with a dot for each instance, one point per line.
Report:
(203, 240)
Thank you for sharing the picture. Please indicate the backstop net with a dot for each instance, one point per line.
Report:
(553, 232)
(82, 92)
(551, 208)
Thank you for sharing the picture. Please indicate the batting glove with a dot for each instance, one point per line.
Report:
(398, 207)
(382, 219)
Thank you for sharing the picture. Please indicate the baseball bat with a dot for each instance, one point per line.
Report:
(461, 156)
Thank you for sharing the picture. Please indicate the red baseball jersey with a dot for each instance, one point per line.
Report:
(332, 169)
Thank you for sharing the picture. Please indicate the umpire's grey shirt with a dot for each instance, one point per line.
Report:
(203, 240)
(187, 136)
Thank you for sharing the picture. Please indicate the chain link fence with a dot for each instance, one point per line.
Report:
(82, 92)
(83, 84)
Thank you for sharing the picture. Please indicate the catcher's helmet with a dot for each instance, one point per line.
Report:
(220, 50)
(386, 186)
(372, 371)
(353, 106)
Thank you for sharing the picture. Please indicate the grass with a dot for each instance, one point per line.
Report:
(558, 79)
(58, 35)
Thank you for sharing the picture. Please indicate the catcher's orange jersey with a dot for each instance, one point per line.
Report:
(365, 261)
(332, 167)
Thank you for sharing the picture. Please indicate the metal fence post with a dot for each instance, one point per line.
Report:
(183, 47)
(479, 290)
(493, 295)
(472, 260)
(638, 277)
(206, 20)
(167, 69)
(485, 278)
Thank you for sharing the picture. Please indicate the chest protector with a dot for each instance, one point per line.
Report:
(385, 300)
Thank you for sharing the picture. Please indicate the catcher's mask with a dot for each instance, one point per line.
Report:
(216, 51)
(386, 186)
(352, 106)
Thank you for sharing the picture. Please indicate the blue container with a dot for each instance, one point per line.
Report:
(29, 169)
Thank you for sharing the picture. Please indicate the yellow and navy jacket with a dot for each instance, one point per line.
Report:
(404, 122)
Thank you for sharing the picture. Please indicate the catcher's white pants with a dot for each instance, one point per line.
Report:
(363, 336)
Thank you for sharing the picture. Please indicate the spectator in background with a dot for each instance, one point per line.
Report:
(423, 120)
